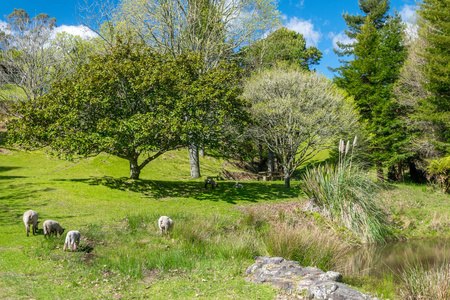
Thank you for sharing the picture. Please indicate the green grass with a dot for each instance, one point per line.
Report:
(426, 282)
(121, 254)
(216, 235)
(417, 211)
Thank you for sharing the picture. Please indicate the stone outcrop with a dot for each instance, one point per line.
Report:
(311, 282)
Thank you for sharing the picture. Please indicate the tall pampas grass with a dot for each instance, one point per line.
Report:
(348, 195)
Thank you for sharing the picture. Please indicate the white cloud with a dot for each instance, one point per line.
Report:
(306, 28)
(79, 30)
(409, 17)
(340, 37)
(408, 14)
(300, 4)
(2, 24)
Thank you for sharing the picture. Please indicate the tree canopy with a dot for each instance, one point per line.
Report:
(435, 30)
(298, 113)
(131, 102)
(377, 53)
(282, 45)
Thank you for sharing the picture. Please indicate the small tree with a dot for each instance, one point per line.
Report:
(32, 59)
(298, 114)
(129, 102)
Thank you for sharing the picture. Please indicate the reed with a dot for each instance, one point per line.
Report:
(308, 246)
(422, 282)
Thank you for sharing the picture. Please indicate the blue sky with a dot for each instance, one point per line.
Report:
(320, 21)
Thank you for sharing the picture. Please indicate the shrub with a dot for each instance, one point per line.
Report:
(348, 195)
(439, 170)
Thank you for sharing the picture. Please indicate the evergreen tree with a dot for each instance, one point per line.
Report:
(377, 54)
(435, 30)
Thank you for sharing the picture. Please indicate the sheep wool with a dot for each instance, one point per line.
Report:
(165, 223)
(51, 226)
(31, 218)
(72, 240)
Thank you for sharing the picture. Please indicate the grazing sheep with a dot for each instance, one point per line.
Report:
(165, 223)
(72, 240)
(211, 182)
(238, 185)
(51, 226)
(31, 218)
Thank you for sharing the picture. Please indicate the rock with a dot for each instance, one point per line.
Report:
(323, 290)
(291, 276)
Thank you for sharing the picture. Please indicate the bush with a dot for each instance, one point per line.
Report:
(439, 170)
(347, 194)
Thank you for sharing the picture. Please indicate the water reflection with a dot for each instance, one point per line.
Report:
(378, 260)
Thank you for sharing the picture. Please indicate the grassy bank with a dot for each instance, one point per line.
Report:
(216, 235)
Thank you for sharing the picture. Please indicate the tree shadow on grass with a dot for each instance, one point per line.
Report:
(7, 168)
(159, 189)
(14, 201)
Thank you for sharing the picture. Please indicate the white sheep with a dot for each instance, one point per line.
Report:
(51, 226)
(72, 240)
(165, 223)
(238, 185)
(31, 218)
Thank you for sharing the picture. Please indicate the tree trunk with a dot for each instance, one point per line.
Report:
(380, 176)
(270, 163)
(392, 173)
(201, 152)
(134, 168)
(194, 161)
(287, 178)
(400, 172)
(415, 175)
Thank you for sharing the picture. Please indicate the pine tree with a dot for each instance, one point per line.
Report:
(377, 54)
(435, 30)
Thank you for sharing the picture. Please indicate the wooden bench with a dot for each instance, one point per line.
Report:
(268, 176)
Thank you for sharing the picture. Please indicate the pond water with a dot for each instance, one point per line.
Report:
(379, 260)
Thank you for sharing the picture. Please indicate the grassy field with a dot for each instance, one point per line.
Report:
(216, 235)
(118, 218)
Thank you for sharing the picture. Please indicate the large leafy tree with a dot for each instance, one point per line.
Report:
(298, 114)
(281, 46)
(131, 102)
(214, 29)
(376, 54)
(434, 22)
